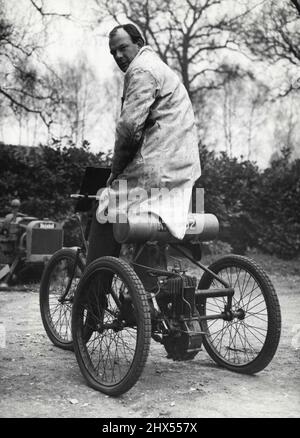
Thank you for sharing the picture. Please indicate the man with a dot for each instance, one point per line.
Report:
(15, 207)
(13, 216)
(156, 142)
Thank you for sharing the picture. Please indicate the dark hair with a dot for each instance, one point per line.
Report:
(133, 32)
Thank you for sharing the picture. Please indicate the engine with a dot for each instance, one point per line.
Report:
(27, 241)
(177, 297)
(176, 301)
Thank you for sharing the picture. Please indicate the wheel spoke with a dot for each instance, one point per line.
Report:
(108, 328)
(60, 312)
(58, 284)
(254, 316)
(238, 339)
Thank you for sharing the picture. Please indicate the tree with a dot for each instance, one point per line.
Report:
(77, 100)
(21, 70)
(190, 35)
(273, 34)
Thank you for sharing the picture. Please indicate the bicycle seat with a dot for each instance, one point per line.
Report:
(149, 227)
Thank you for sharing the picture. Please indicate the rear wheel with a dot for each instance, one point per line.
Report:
(111, 326)
(62, 272)
(247, 341)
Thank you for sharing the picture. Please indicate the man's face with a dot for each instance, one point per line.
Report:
(123, 49)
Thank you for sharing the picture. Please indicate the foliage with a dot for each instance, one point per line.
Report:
(43, 179)
(255, 208)
(278, 207)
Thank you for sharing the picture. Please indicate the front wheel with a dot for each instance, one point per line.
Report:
(247, 341)
(111, 326)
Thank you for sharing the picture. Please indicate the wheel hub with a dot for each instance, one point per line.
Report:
(240, 314)
(229, 315)
(115, 325)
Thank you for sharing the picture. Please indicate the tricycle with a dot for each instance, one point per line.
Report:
(109, 311)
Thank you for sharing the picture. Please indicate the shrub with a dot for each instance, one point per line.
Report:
(255, 208)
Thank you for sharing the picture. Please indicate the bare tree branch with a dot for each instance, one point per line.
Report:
(41, 10)
(182, 32)
(25, 107)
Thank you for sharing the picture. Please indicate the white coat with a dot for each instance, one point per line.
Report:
(156, 145)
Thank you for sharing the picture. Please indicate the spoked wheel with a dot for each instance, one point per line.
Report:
(111, 326)
(59, 281)
(246, 340)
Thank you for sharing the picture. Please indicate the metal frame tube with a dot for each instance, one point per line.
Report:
(200, 265)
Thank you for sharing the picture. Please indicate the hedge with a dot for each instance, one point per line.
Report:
(256, 208)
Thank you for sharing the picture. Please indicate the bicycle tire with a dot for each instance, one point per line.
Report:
(225, 345)
(56, 315)
(114, 326)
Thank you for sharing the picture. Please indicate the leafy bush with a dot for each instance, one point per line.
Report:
(230, 194)
(278, 207)
(255, 208)
(43, 179)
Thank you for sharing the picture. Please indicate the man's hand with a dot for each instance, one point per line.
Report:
(111, 177)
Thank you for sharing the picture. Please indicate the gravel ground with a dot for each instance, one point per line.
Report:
(40, 380)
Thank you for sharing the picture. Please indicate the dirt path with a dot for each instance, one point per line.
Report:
(40, 380)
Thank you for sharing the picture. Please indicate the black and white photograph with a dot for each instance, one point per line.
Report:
(149, 212)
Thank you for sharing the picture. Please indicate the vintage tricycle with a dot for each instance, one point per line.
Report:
(109, 312)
